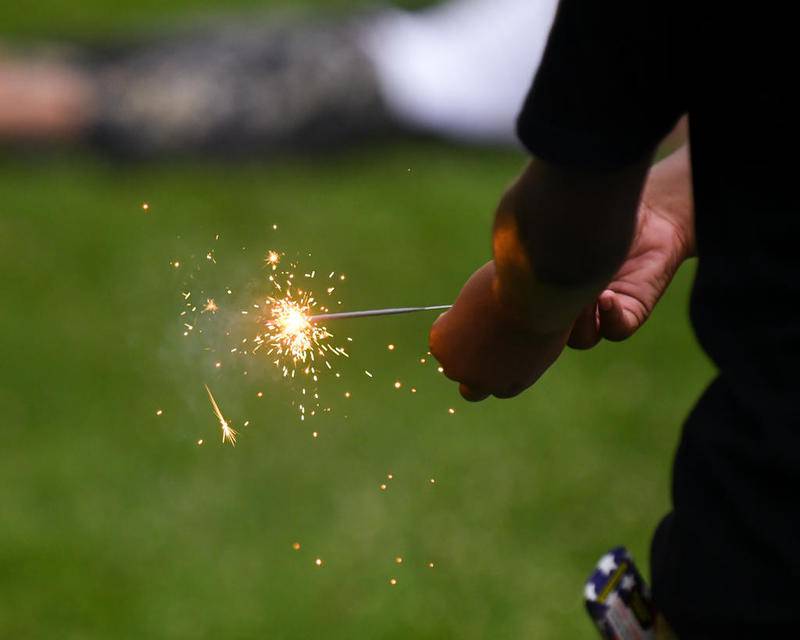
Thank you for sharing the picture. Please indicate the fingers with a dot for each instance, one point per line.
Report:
(585, 332)
(470, 394)
(614, 323)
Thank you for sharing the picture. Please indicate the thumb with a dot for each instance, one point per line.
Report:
(616, 322)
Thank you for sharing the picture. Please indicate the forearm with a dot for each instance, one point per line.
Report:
(559, 236)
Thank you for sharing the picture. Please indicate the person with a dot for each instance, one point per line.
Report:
(274, 83)
(589, 236)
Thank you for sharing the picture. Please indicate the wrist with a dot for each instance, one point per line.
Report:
(529, 301)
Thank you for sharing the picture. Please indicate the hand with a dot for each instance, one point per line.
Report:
(481, 345)
(663, 240)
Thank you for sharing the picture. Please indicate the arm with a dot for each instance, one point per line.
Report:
(609, 88)
(509, 324)
(559, 236)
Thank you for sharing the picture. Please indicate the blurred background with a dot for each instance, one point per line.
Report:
(115, 523)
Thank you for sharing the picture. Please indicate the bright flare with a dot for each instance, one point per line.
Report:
(292, 337)
(272, 259)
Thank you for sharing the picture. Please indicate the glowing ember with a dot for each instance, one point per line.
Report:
(228, 433)
(272, 259)
(210, 306)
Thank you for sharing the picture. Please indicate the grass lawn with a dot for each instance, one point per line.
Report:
(114, 523)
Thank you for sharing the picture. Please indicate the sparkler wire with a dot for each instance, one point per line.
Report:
(375, 312)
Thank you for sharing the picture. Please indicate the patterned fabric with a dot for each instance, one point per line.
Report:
(618, 599)
(239, 87)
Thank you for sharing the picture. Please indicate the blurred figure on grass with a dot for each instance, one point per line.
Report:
(459, 70)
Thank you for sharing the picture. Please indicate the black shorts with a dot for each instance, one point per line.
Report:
(726, 561)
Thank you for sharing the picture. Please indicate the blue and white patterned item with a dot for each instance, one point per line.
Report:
(618, 600)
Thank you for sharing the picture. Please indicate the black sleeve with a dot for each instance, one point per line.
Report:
(610, 85)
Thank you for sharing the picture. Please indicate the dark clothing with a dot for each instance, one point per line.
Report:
(615, 78)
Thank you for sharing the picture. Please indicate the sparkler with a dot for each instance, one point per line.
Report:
(375, 312)
(228, 433)
(290, 334)
(291, 327)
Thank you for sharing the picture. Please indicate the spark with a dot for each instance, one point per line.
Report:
(433, 480)
(210, 306)
(318, 562)
(228, 433)
(398, 384)
(145, 207)
(399, 560)
(431, 565)
(200, 442)
(159, 412)
(383, 487)
(296, 546)
(390, 347)
(451, 411)
(291, 336)
(272, 259)
(393, 581)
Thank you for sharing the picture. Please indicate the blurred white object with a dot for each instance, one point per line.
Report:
(461, 69)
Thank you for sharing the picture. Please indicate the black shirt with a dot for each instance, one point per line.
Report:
(615, 78)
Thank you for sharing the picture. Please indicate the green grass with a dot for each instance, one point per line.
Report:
(115, 524)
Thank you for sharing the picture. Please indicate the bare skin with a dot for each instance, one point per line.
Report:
(664, 239)
(508, 326)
